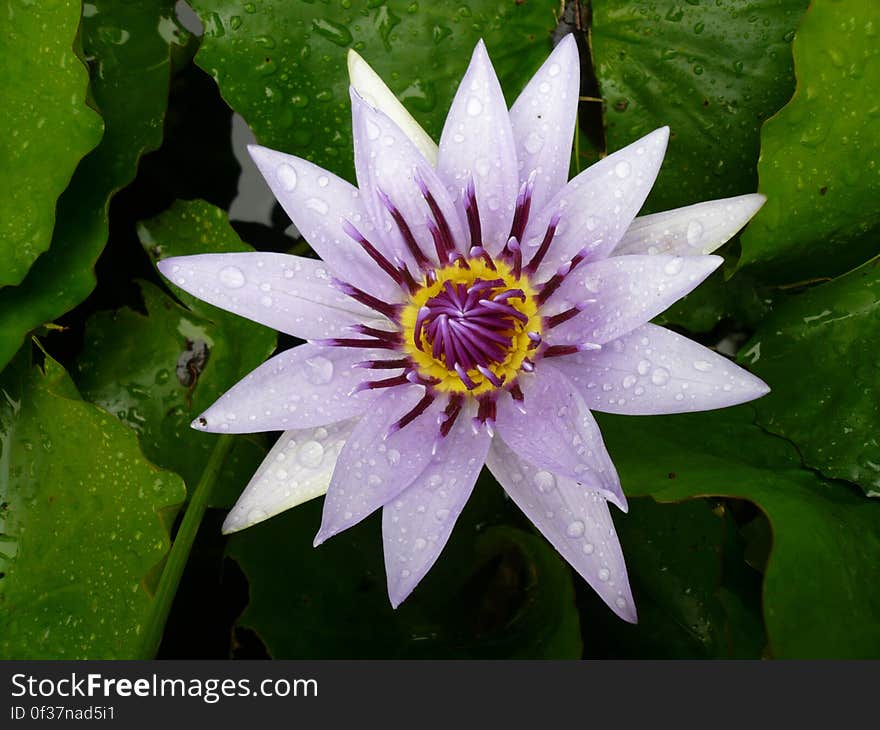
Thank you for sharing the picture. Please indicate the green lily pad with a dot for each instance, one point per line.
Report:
(695, 595)
(712, 71)
(495, 591)
(282, 65)
(127, 47)
(818, 155)
(157, 372)
(819, 587)
(820, 354)
(84, 519)
(47, 125)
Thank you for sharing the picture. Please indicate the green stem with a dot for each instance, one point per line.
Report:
(183, 542)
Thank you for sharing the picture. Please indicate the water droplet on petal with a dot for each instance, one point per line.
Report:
(533, 143)
(622, 169)
(311, 453)
(604, 574)
(474, 106)
(702, 365)
(660, 376)
(674, 266)
(319, 370)
(553, 70)
(286, 176)
(231, 276)
(694, 232)
(544, 481)
(575, 529)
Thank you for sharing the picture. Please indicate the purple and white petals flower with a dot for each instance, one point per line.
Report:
(470, 306)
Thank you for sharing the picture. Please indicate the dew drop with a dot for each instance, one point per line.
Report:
(474, 106)
(629, 381)
(286, 176)
(232, 276)
(311, 453)
(604, 574)
(533, 143)
(544, 481)
(644, 367)
(317, 205)
(441, 514)
(319, 370)
(420, 543)
(588, 548)
(575, 529)
(373, 130)
(660, 376)
(393, 457)
(622, 169)
(553, 70)
(702, 365)
(674, 266)
(323, 181)
(694, 232)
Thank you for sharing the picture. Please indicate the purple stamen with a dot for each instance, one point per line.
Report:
(382, 364)
(442, 225)
(359, 295)
(405, 231)
(523, 206)
(473, 215)
(558, 319)
(418, 410)
(536, 260)
(453, 408)
(386, 383)
(383, 263)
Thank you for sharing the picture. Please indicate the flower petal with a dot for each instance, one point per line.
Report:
(373, 90)
(297, 469)
(558, 434)
(477, 140)
(318, 202)
(387, 162)
(288, 293)
(652, 370)
(690, 231)
(598, 206)
(574, 519)
(375, 466)
(621, 293)
(417, 524)
(304, 387)
(543, 119)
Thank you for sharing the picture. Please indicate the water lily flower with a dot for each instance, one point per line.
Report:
(471, 306)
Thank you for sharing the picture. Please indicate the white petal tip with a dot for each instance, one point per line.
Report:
(165, 266)
(231, 526)
(629, 614)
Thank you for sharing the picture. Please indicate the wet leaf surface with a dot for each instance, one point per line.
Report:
(84, 523)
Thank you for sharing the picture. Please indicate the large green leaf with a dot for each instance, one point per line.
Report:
(127, 46)
(156, 372)
(695, 595)
(819, 155)
(819, 587)
(495, 592)
(47, 125)
(712, 71)
(282, 65)
(820, 354)
(83, 521)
